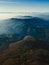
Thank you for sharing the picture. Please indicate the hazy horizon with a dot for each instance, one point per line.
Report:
(11, 8)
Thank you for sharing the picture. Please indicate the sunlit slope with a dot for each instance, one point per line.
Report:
(28, 51)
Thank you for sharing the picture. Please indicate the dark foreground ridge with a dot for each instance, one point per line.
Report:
(29, 51)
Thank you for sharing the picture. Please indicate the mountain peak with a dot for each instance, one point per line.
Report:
(29, 38)
(24, 17)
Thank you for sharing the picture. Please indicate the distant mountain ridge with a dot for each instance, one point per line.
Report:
(15, 29)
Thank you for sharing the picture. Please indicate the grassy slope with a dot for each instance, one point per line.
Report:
(28, 51)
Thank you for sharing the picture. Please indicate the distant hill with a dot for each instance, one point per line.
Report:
(28, 51)
(15, 29)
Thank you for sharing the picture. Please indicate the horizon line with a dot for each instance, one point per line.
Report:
(24, 12)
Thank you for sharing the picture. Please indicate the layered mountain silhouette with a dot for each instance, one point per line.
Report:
(15, 29)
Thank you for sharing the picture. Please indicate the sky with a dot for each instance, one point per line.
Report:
(10, 8)
(24, 5)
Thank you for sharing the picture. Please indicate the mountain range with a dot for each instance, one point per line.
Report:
(24, 40)
(17, 28)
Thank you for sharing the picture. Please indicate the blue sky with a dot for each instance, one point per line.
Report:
(26, 0)
(24, 5)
